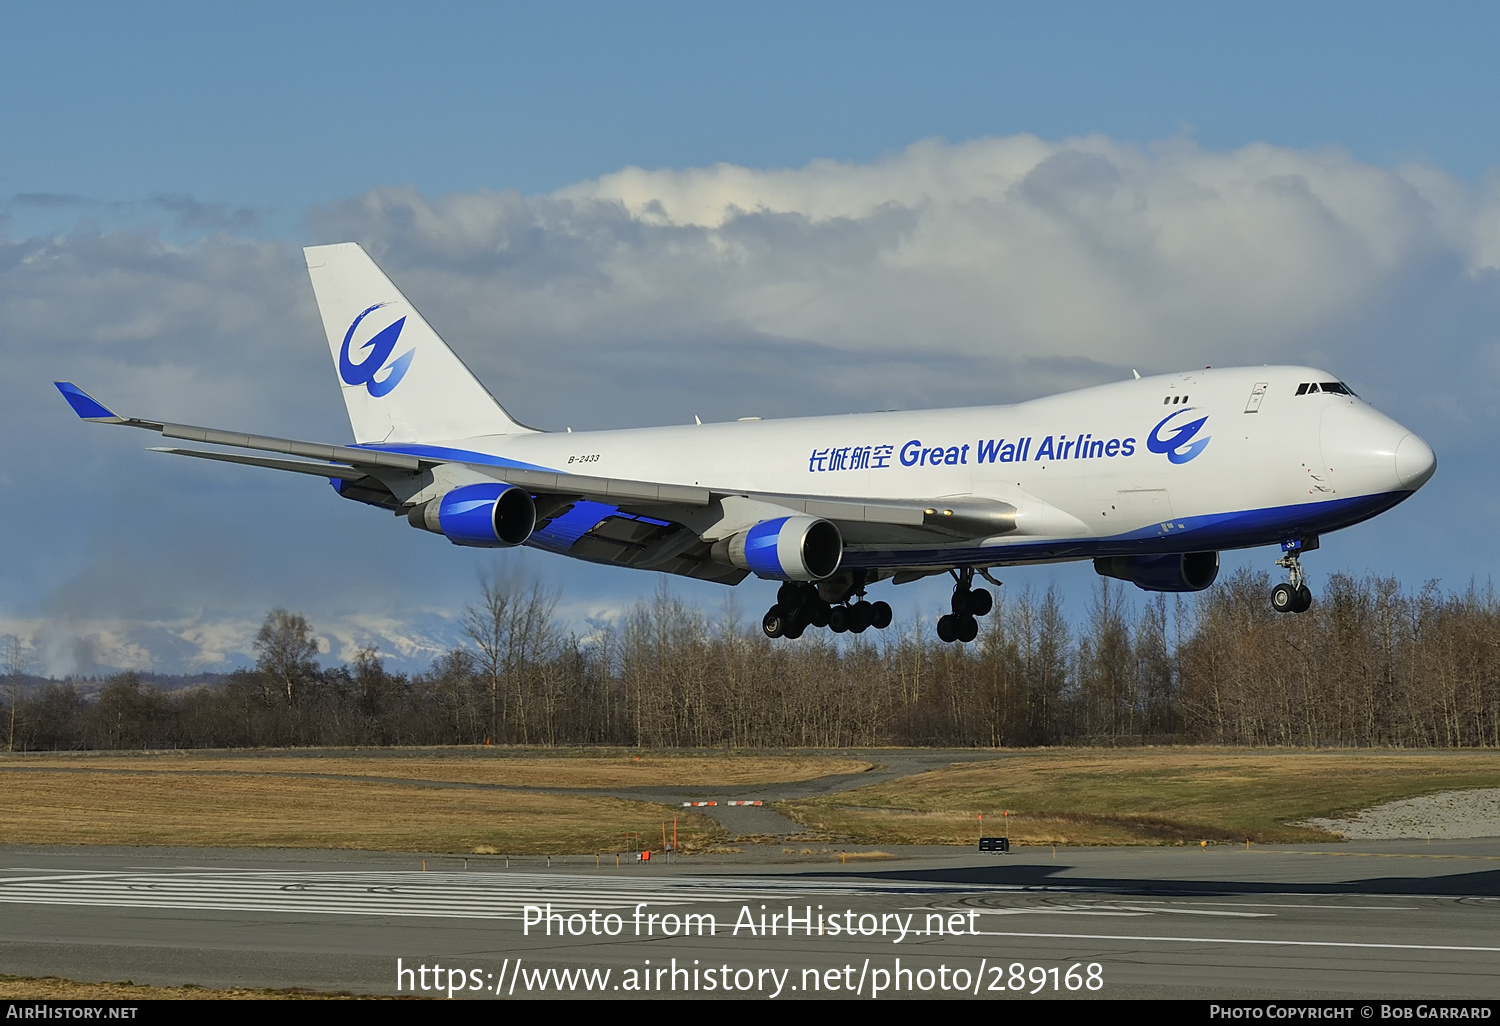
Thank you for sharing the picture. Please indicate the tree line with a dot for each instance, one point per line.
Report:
(1370, 664)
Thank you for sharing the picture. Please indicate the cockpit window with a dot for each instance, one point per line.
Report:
(1334, 387)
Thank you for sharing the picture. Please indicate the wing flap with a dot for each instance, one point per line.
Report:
(328, 470)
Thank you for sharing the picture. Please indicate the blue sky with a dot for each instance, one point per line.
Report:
(160, 164)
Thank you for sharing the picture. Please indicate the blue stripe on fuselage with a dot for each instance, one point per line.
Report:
(1215, 531)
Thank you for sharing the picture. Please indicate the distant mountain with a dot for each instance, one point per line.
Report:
(91, 686)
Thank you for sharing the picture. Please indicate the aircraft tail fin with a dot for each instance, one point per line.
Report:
(401, 382)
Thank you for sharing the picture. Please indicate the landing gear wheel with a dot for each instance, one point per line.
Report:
(947, 628)
(860, 617)
(880, 615)
(1293, 596)
(818, 614)
(968, 628)
(969, 601)
(838, 619)
(793, 631)
(774, 623)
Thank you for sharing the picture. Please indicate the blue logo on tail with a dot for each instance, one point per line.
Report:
(1178, 446)
(380, 350)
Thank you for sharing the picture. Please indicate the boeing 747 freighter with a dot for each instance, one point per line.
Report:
(1150, 478)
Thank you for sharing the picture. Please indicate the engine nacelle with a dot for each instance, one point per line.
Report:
(483, 515)
(785, 549)
(1186, 571)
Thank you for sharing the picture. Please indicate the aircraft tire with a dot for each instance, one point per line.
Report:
(794, 630)
(968, 629)
(947, 629)
(774, 622)
(838, 619)
(818, 613)
(1284, 598)
(860, 617)
(1304, 600)
(980, 602)
(880, 615)
(961, 600)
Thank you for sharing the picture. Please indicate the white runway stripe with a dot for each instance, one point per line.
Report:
(469, 895)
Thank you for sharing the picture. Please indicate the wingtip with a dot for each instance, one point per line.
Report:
(85, 405)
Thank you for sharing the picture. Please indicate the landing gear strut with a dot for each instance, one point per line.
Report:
(969, 602)
(1293, 596)
(839, 606)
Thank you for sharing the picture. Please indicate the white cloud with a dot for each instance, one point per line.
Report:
(1012, 251)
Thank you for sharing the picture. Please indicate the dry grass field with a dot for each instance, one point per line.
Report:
(480, 800)
(124, 807)
(1139, 796)
(595, 769)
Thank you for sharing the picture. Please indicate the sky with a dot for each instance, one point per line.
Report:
(624, 215)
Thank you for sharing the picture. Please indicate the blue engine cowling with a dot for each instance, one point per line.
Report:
(1184, 571)
(785, 549)
(485, 515)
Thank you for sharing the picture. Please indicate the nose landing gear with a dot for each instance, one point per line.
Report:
(1293, 596)
(968, 604)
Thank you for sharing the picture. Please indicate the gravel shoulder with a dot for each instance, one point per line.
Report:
(1449, 814)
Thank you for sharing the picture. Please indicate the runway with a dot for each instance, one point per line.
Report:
(1372, 920)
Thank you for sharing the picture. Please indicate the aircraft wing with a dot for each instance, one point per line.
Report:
(667, 519)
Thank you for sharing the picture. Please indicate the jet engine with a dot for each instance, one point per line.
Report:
(786, 549)
(1186, 571)
(483, 515)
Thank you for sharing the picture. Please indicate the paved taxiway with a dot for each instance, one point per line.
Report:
(1377, 919)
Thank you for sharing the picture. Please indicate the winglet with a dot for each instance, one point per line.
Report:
(85, 405)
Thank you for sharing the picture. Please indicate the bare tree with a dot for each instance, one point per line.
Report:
(287, 653)
(15, 670)
(515, 633)
(485, 625)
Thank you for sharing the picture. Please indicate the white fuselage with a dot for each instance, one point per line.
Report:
(1114, 469)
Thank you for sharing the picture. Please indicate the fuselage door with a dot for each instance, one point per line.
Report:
(1256, 395)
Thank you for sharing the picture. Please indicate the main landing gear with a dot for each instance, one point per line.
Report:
(840, 607)
(1293, 596)
(969, 602)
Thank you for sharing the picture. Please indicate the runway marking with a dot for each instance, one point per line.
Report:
(1092, 910)
(1203, 912)
(447, 895)
(1023, 911)
(1375, 854)
(1270, 904)
(1239, 940)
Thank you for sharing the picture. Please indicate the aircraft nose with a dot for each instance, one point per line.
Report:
(1415, 462)
(1367, 452)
